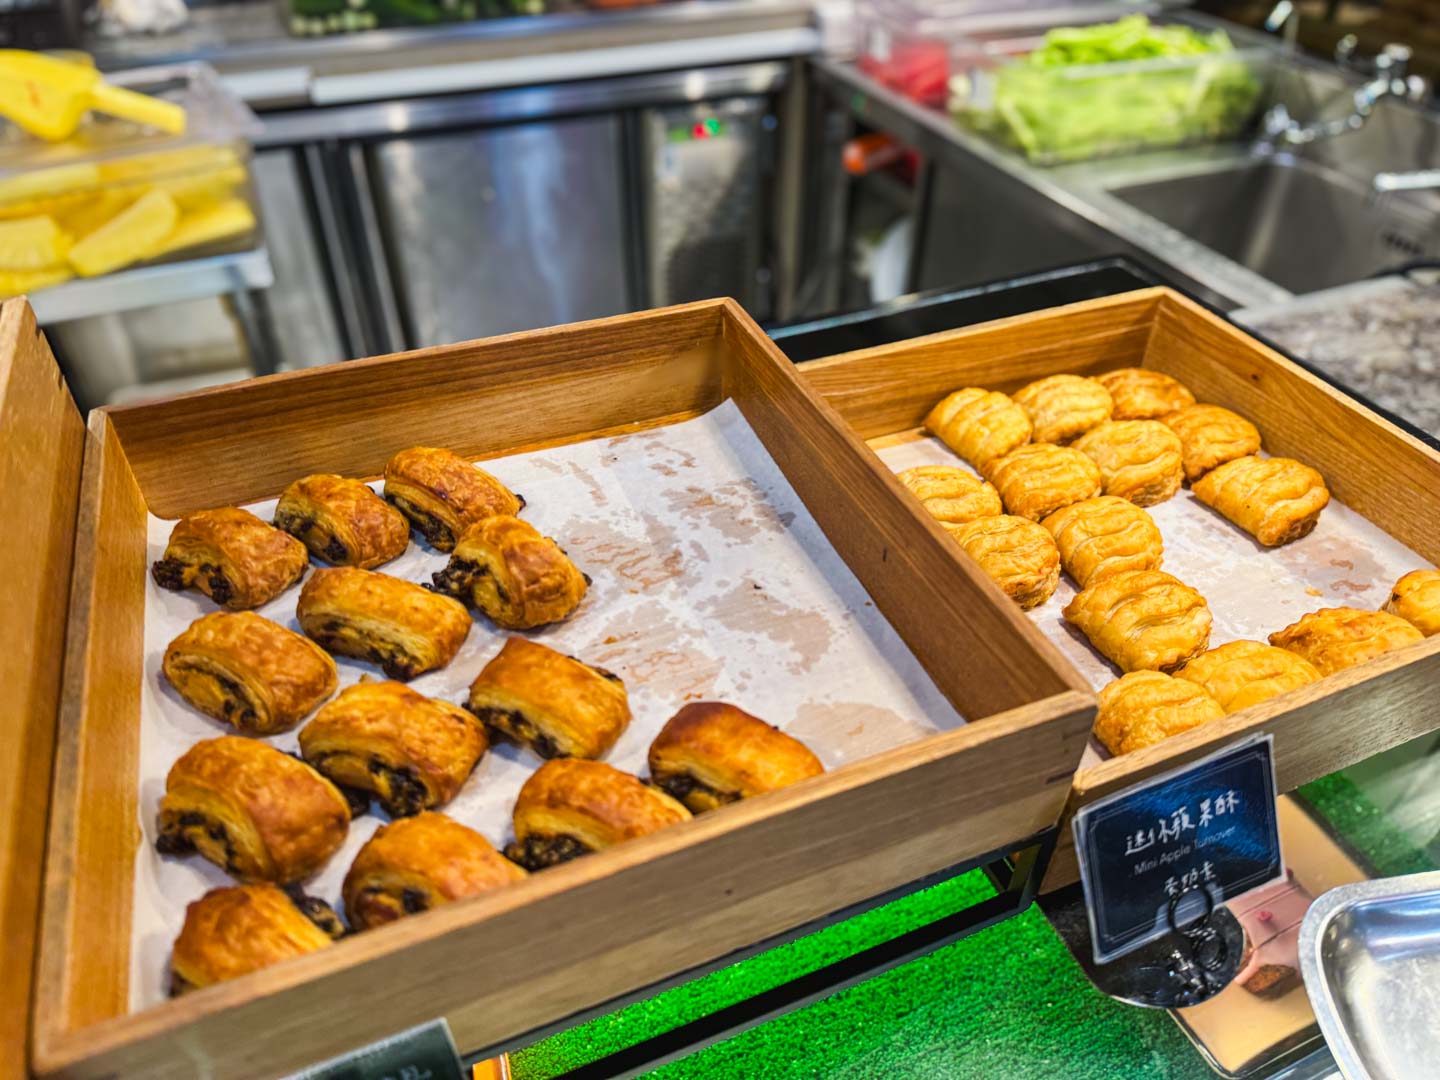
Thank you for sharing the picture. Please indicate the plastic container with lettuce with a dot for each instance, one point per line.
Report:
(1112, 88)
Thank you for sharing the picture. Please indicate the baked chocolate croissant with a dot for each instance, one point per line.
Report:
(231, 556)
(342, 521)
(443, 494)
(512, 573)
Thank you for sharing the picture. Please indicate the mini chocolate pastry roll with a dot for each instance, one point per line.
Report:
(260, 814)
(571, 807)
(412, 752)
(555, 704)
(342, 521)
(405, 628)
(238, 929)
(232, 557)
(248, 671)
(443, 494)
(710, 754)
(419, 863)
(505, 568)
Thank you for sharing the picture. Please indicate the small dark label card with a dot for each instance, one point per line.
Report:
(1207, 829)
(426, 1052)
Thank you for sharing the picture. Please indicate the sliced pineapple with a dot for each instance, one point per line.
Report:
(41, 184)
(229, 218)
(19, 282)
(197, 191)
(168, 163)
(32, 243)
(96, 209)
(131, 235)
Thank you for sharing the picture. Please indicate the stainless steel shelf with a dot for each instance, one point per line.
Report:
(146, 286)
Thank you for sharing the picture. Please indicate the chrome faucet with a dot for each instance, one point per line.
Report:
(1389, 81)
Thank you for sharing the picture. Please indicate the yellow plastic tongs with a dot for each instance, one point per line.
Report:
(48, 97)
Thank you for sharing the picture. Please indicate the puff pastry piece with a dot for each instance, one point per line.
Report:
(555, 704)
(512, 573)
(1036, 480)
(342, 521)
(443, 494)
(260, 814)
(1062, 407)
(1243, 673)
(709, 754)
(1211, 436)
(419, 863)
(412, 752)
(1275, 500)
(1142, 620)
(405, 628)
(979, 425)
(232, 557)
(1146, 707)
(572, 807)
(951, 495)
(1334, 639)
(1019, 555)
(1142, 394)
(248, 671)
(238, 929)
(1416, 599)
(1103, 536)
(1139, 460)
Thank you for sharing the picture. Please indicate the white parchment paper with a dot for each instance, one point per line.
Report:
(711, 581)
(1252, 590)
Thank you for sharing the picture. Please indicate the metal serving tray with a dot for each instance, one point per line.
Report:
(1370, 956)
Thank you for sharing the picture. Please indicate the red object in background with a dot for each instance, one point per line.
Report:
(870, 153)
(918, 69)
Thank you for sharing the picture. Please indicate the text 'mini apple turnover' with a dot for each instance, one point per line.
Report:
(231, 556)
(1036, 480)
(1334, 639)
(1146, 707)
(1275, 500)
(950, 495)
(1142, 620)
(506, 568)
(1064, 407)
(342, 521)
(1142, 394)
(1105, 535)
(1018, 555)
(979, 425)
(1139, 460)
(443, 494)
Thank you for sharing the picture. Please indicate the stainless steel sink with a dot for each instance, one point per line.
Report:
(1291, 221)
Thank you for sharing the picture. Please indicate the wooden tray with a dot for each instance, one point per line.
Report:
(1388, 476)
(577, 935)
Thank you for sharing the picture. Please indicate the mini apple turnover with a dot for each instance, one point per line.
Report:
(1142, 394)
(1036, 480)
(1275, 500)
(556, 705)
(254, 811)
(1064, 407)
(1334, 639)
(232, 557)
(248, 671)
(1243, 673)
(571, 807)
(342, 521)
(412, 752)
(951, 495)
(419, 863)
(709, 754)
(1104, 535)
(1142, 620)
(504, 567)
(405, 628)
(1146, 707)
(1139, 460)
(1416, 599)
(1211, 436)
(1017, 554)
(443, 494)
(979, 425)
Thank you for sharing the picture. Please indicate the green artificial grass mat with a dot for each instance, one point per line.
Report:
(1364, 826)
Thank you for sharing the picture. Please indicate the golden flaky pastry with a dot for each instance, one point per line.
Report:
(238, 929)
(1147, 707)
(1275, 500)
(248, 671)
(710, 754)
(1105, 535)
(231, 556)
(1063, 407)
(1036, 480)
(1019, 555)
(1139, 460)
(419, 863)
(1142, 620)
(571, 807)
(1211, 436)
(1416, 599)
(951, 495)
(515, 575)
(1142, 394)
(1334, 639)
(1243, 673)
(443, 494)
(979, 425)
(342, 521)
